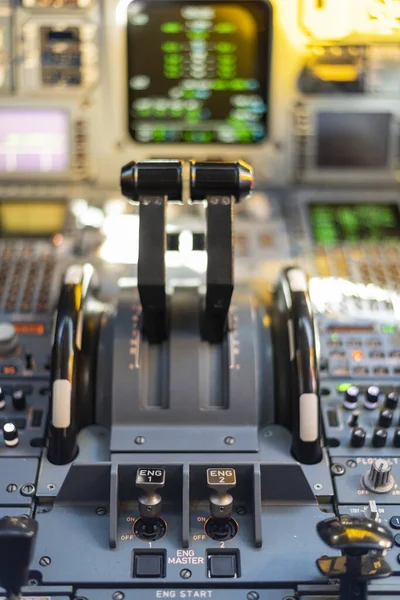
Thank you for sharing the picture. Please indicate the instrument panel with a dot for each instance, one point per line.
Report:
(171, 434)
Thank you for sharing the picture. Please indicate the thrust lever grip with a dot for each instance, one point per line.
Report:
(151, 184)
(221, 185)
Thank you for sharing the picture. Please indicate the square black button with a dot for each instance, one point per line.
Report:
(222, 565)
(149, 565)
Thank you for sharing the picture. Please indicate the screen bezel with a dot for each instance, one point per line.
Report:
(65, 175)
(339, 176)
(216, 144)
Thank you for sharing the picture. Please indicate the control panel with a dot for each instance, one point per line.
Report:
(199, 358)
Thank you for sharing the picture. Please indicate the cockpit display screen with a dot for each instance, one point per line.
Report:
(198, 72)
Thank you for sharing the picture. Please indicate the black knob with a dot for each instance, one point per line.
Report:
(379, 478)
(351, 397)
(17, 545)
(380, 437)
(152, 178)
(358, 437)
(2, 399)
(354, 419)
(372, 397)
(10, 434)
(396, 438)
(392, 400)
(220, 179)
(19, 399)
(386, 418)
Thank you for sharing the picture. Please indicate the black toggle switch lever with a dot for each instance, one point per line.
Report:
(221, 481)
(151, 184)
(221, 527)
(363, 543)
(221, 185)
(150, 480)
(17, 545)
(150, 526)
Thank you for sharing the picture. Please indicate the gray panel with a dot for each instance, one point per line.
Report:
(18, 471)
(186, 593)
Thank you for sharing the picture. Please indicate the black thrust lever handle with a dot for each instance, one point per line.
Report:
(221, 185)
(151, 184)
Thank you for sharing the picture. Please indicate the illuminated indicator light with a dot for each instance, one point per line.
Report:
(171, 46)
(198, 35)
(219, 85)
(357, 355)
(225, 47)
(343, 387)
(336, 72)
(335, 337)
(29, 328)
(171, 27)
(224, 28)
(389, 329)
(172, 59)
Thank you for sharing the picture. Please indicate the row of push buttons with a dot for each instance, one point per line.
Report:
(152, 564)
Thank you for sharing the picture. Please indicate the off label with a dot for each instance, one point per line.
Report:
(221, 477)
(150, 476)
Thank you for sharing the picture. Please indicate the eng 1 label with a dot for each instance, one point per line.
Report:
(153, 476)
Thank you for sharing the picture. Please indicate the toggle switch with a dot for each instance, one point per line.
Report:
(150, 526)
(220, 481)
(150, 480)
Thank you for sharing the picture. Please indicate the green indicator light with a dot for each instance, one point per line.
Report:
(226, 59)
(198, 35)
(219, 85)
(238, 84)
(172, 59)
(335, 337)
(171, 27)
(189, 94)
(171, 46)
(225, 28)
(391, 329)
(225, 47)
(343, 387)
(158, 135)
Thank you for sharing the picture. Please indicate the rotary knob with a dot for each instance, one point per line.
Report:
(8, 339)
(379, 479)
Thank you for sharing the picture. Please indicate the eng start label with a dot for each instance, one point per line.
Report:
(186, 557)
(184, 593)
